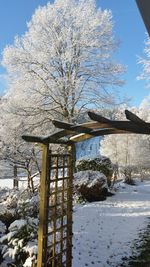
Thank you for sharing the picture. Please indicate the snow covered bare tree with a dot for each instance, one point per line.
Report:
(145, 63)
(17, 157)
(130, 151)
(63, 63)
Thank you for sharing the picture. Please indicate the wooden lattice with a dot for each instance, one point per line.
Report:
(56, 229)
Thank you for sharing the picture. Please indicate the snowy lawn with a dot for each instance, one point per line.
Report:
(104, 232)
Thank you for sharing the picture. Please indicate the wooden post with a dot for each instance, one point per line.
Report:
(43, 212)
(69, 206)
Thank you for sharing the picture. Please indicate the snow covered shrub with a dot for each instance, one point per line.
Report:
(28, 204)
(8, 205)
(20, 243)
(2, 231)
(101, 164)
(19, 211)
(16, 204)
(2, 228)
(127, 173)
(91, 185)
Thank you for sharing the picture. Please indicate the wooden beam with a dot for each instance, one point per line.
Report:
(122, 125)
(82, 137)
(102, 123)
(33, 139)
(134, 118)
(70, 207)
(62, 125)
(96, 117)
(43, 209)
(100, 126)
(57, 140)
(54, 139)
(67, 126)
(60, 134)
(144, 8)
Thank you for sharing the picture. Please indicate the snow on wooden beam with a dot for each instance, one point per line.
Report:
(45, 140)
(77, 128)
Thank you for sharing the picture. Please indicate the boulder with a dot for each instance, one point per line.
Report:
(91, 185)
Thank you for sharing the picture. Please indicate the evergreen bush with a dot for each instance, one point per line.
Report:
(101, 164)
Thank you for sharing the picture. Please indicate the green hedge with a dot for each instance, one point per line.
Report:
(101, 164)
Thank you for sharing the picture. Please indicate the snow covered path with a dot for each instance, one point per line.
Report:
(104, 231)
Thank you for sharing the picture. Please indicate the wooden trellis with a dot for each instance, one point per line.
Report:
(55, 229)
(56, 183)
(60, 210)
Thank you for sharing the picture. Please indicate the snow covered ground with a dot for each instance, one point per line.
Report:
(6, 183)
(104, 232)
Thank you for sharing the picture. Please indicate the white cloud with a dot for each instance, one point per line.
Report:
(145, 104)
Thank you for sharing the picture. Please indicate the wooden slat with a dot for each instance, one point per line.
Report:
(56, 256)
(62, 125)
(126, 126)
(67, 126)
(57, 205)
(124, 130)
(60, 191)
(43, 213)
(33, 139)
(58, 242)
(53, 139)
(60, 155)
(58, 135)
(55, 213)
(135, 119)
(132, 117)
(58, 229)
(59, 179)
(97, 117)
(63, 207)
(69, 208)
(59, 167)
(82, 137)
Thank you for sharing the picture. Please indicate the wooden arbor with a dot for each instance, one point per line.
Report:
(56, 183)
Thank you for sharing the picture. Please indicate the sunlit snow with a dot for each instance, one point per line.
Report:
(104, 232)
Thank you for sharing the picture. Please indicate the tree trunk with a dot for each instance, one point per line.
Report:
(15, 180)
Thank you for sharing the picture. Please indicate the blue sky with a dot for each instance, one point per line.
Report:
(128, 28)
